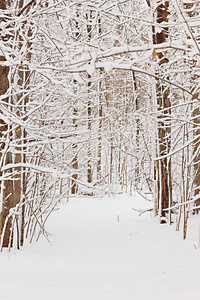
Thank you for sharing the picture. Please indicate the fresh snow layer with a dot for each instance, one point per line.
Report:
(103, 250)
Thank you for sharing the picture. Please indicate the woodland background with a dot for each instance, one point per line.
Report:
(97, 97)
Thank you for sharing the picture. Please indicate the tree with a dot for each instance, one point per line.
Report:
(12, 184)
(7, 192)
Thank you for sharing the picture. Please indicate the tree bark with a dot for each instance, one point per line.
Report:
(12, 189)
(164, 110)
(7, 186)
(196, 150)
(74, 186)
(89, 106)
(137, 138)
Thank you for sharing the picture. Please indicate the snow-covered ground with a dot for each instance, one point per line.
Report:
(102, 250)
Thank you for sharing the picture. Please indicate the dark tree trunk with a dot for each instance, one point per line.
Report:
(164, 111)
(7, 187)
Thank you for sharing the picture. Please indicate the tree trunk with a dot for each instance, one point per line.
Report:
(12, 189)
(137, 138)
(164, 110)
(7, 186)
(191, 10)
(196, 150)
(89, 107)
(100, 111)
(74, 187)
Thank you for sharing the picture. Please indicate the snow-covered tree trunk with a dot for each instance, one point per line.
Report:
(74, 186)
(100, 113)
(196, 116)
(192, 11)
(164, 111)
(89, 104)
(13, 136)
(7, 185)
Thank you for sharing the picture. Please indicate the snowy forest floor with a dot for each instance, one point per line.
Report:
(103, 250)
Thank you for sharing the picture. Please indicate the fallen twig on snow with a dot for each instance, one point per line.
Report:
(142, 211)
(143, 196)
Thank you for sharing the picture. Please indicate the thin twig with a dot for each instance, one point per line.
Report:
(25, 7)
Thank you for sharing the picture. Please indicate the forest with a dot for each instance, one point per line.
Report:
(97, 97)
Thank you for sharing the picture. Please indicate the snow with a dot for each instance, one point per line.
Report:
(103, 250)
